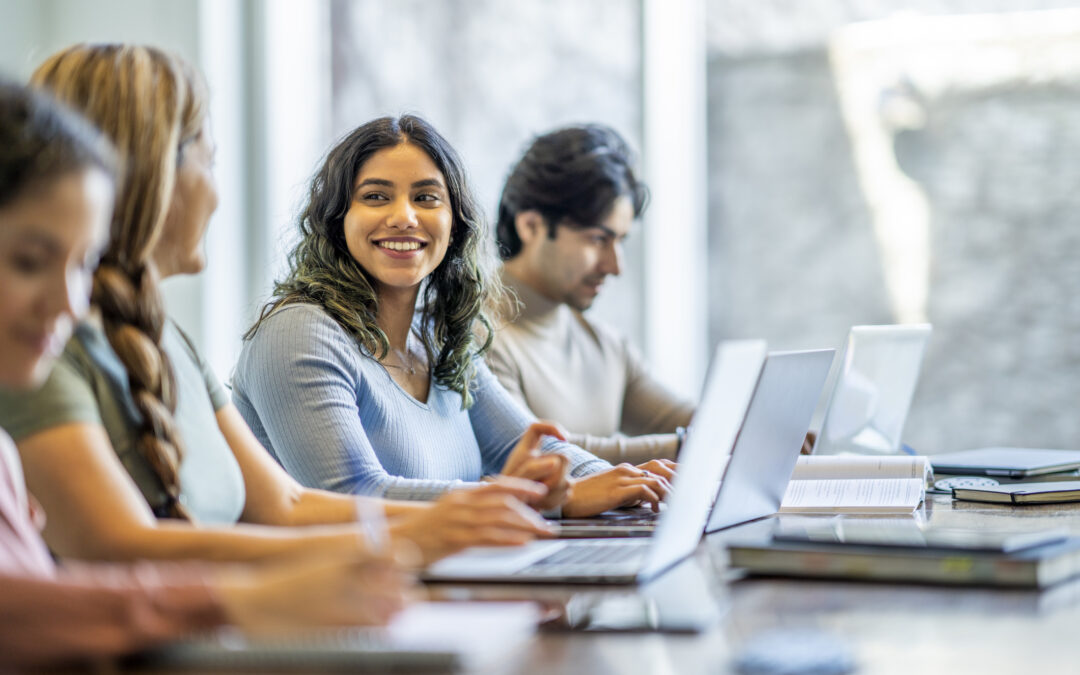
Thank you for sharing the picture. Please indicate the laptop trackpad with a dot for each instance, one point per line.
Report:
(487, 561)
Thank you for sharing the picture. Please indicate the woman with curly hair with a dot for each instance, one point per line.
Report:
(364, 374)
(132, 444)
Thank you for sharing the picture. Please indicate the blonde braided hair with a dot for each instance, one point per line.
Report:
(150, 104)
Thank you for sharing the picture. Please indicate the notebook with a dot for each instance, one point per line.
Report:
(873, 390)
(845, 531)
(1033, 567)
(1009, 462)
(1023, 493)
(732, 380)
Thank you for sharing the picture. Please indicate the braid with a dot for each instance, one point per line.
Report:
(149, 104)
(134, 321)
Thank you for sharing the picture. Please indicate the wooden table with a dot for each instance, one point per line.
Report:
(889, 628)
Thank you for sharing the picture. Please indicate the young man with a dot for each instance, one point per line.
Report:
(564, 213)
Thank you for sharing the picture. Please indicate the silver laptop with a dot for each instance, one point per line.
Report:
(731, 383)
(767, 448)
(771, 438)
(1007, 462)
(873, 391)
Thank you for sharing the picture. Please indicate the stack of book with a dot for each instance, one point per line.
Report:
(891, 550)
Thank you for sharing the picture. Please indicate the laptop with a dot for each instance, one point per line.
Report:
(732, 380)
(771, 439)
(765, 452)
(873, 391)
(1007, 462)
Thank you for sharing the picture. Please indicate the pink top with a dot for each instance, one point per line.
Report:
(22, 552)
(52, 614)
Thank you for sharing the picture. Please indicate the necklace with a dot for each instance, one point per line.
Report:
(408, 361)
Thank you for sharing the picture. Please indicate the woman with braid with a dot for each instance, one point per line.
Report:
(56, 193)
(131, 444)
(365, 372)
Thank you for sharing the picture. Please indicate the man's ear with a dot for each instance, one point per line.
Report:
(530, 226)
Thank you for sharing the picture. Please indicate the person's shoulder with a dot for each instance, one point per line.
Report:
(606, 335)
(303, 319)
(296, 332)
(298, 313)
(68, 394)
(184, 339)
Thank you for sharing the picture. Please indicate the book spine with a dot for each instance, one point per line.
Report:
(951, 569)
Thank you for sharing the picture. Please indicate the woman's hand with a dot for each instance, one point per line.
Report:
(313, 592)
(490, 515)
(526, 461)
(622, 485)
(661, 467)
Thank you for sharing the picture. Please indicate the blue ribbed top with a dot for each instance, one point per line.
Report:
(335, 419)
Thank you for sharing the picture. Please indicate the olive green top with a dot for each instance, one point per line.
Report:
(90, 385)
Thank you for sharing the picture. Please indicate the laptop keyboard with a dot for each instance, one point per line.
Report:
(618, 557)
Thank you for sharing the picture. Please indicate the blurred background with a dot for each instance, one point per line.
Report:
(814, 163)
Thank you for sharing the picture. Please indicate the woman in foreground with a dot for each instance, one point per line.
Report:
(56, 193)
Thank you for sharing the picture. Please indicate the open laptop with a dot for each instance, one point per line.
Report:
(873, 391)
(732, 380)
(765, 453)
(772, 436)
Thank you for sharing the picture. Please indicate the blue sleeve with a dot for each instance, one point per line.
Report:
(300, 374)
(499, 422)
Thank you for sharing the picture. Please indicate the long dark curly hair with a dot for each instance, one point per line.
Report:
(456, 300)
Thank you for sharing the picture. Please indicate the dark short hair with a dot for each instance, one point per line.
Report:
(572, 177)
(41, 140)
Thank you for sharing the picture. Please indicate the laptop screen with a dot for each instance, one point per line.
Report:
(771, 438)
(873, 391)
(728, 390)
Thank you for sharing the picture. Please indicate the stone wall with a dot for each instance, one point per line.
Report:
(793, 251)
(1001, 170)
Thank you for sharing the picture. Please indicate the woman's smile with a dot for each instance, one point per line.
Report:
(401, 247)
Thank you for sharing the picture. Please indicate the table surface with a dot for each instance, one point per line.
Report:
(885, 628)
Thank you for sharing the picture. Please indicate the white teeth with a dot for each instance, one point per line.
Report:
(400, 245)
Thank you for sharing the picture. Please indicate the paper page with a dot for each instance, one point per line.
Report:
(814, 467)
(898, 494)
(464, 627)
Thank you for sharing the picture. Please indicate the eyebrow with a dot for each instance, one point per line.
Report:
(427, 182)
(607, 231)
(38, 239)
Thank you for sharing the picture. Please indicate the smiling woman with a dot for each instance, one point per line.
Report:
(131, 443)
(365, 373)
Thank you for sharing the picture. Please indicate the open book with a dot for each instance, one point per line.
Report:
(857, 484)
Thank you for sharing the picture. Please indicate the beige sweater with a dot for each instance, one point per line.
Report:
(568, 369)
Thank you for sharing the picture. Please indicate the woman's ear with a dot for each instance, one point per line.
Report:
(530, 226)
